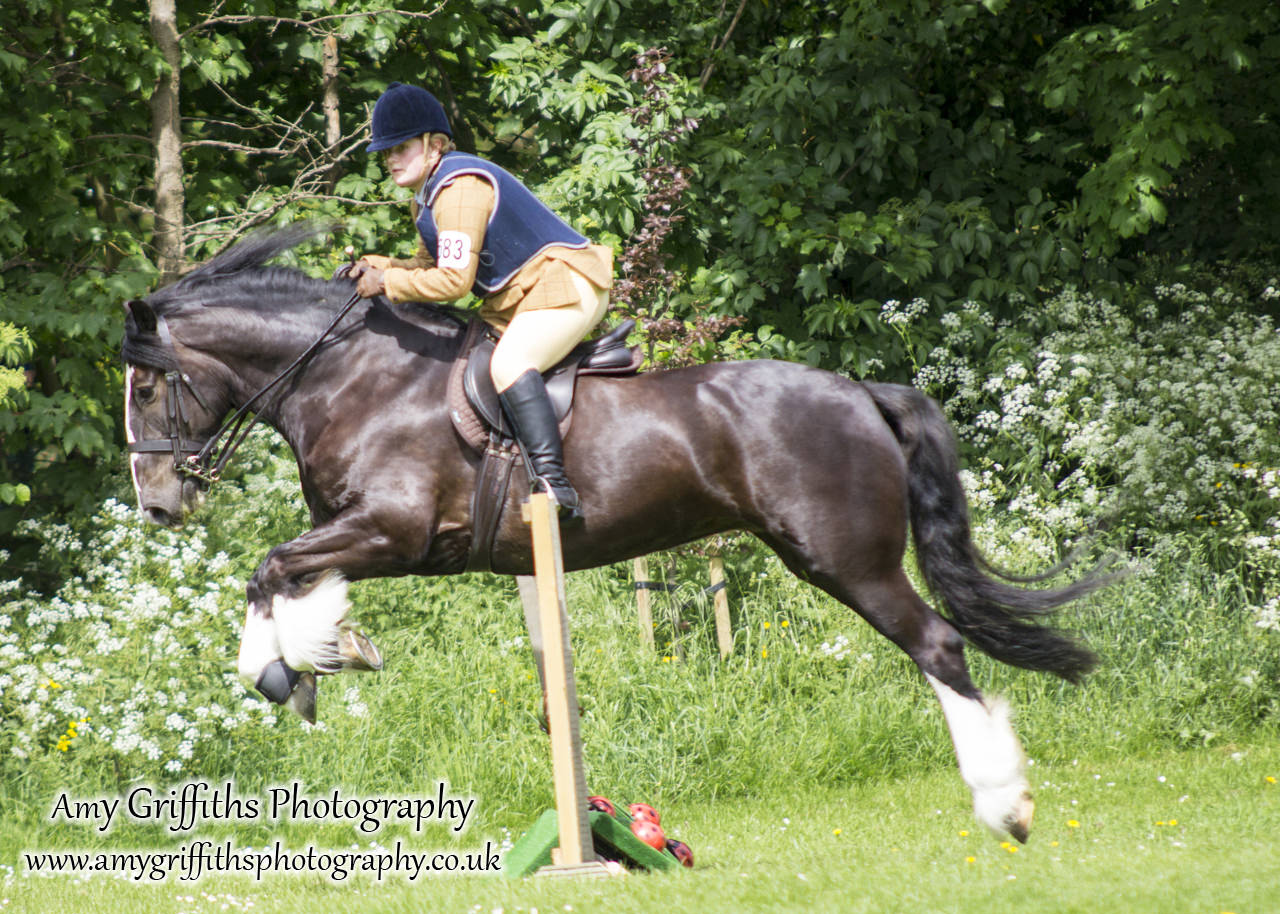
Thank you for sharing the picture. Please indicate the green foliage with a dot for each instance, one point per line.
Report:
(74, 143)
(1153, 418)
(1173, 96)
(15, 346)
(846, 156)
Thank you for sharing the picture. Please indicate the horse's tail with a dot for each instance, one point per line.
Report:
(993, 616)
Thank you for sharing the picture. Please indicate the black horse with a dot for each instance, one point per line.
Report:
(829, 473)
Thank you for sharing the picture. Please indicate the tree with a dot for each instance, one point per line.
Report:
(847, 156)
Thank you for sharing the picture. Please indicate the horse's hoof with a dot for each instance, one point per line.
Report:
(358, 652)
(302, 700)
(1020, 824)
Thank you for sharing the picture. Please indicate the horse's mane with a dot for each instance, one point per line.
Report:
(238, 278)
(242, 277)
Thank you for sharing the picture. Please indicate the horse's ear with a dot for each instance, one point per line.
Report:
(144, 317)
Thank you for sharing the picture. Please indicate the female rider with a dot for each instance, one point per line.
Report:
(543, 285)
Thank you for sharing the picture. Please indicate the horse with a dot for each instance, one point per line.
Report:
(829, 473)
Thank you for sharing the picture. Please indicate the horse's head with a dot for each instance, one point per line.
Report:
(171, 408)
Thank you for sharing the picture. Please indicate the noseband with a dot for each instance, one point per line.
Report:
(207, 461)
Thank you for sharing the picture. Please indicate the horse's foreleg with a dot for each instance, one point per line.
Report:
(990, 757)
(295, 626)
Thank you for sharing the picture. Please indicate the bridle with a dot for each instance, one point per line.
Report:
(207, 461)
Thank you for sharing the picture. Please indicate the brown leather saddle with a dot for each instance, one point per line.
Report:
(479, 421)
(605, 355)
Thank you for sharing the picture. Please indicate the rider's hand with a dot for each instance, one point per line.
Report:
(369, 279)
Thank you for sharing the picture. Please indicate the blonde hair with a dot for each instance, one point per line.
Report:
(441, 141)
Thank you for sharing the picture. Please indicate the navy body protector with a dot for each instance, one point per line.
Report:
(520, 227)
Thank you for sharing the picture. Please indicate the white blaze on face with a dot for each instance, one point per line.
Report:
(128, 431)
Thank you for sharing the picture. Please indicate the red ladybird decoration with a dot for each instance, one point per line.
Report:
(601, 804)
(650, 833)
(680, 851)
(643, 812)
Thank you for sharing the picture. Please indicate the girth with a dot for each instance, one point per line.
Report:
(477, 416)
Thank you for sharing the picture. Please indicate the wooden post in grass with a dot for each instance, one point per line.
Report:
(576, 853)
(724, 634)
(643, 606)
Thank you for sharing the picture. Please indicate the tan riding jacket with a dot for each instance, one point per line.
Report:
(465, 205)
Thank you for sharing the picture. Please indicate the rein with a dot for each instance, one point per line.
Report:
(207, 461)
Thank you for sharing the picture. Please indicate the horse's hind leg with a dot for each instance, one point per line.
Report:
(990, 757)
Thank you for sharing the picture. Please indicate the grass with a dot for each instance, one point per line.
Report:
(1181, 832)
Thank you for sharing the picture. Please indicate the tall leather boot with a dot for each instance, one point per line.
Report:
(533, 420)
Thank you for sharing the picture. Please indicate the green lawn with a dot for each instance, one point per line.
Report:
(1188, 832)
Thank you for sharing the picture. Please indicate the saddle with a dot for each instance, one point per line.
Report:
(473, 400)
(478, 418)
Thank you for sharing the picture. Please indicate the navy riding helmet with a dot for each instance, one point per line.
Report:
(403, 112)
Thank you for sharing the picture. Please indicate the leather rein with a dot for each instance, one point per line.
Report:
(207, 461)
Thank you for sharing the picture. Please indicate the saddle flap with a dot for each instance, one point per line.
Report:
(606, 355)
(478, 386)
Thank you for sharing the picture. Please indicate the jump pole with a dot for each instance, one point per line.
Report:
(576, 854)
(724, 632)
(643, 606)
(724, 629)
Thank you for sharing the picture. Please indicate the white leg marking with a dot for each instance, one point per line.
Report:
(308, 626)
(990, 756)
(128, 431)
(259, 646)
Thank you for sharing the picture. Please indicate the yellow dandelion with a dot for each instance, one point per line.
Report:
(764, 652)
(837, 831)
(784, 623)
(964, 834)
(1072, 823)
(1173, 822)
(970, 859)
(767, 624)
(666, 659)
(1270, 779)
(1053, 843)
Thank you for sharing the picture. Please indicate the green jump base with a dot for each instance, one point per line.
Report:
(612, 838)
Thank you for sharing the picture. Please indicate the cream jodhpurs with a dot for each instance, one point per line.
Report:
(540, 338)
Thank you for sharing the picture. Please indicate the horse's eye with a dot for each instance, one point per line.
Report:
(144, 395)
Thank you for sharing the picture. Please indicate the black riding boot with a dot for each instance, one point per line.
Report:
(534, 421)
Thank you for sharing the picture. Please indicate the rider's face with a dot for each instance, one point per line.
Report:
(410, 162)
